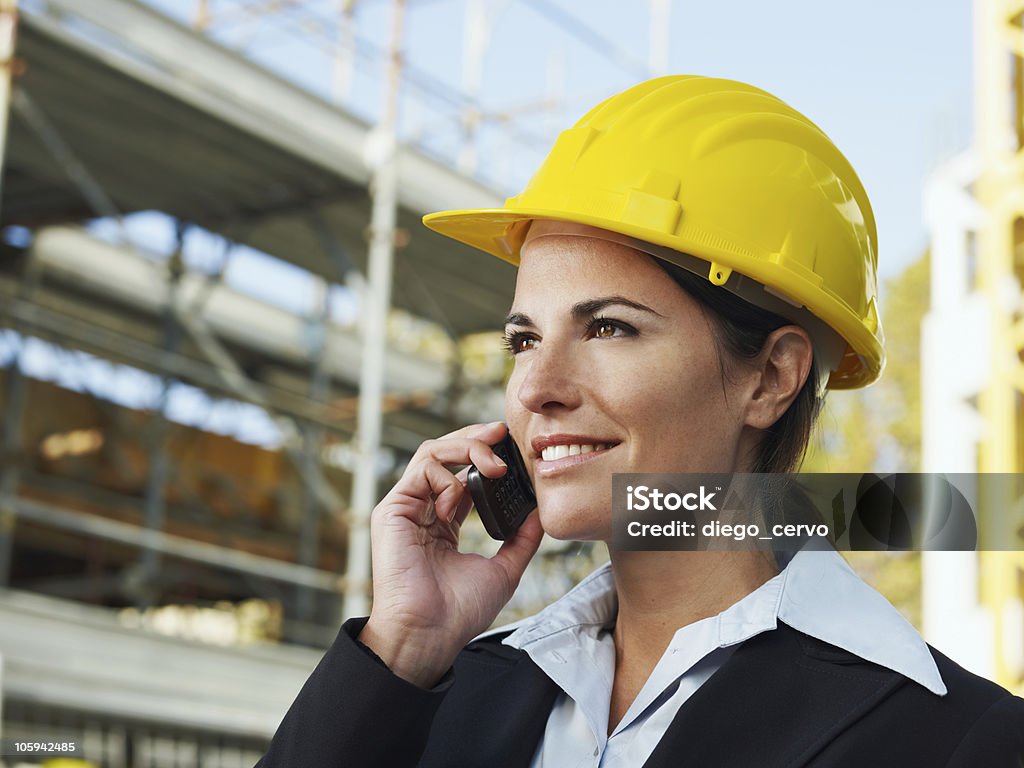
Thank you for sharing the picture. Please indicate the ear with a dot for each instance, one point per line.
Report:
(780, 372)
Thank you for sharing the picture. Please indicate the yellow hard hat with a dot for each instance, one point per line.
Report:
(719, 170)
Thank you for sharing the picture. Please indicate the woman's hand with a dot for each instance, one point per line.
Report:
(429, 599)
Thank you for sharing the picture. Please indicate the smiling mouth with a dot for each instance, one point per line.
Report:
(555, 452)
(555, 459)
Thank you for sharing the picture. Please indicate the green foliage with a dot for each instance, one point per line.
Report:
(904, 308)
(879, 429)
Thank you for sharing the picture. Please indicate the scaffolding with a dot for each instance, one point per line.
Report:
(117, 499)
(169, 438)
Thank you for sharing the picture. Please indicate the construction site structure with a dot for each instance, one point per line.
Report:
(223, 330)
(973, 357)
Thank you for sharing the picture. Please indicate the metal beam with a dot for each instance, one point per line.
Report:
(312, 441)
(91, 191)
(125, 277)
(159, 51)
(54, 324)
(378, 300)
(95, 664)
(61, 327)
(658, 61)
(235, 379)
(177, 546)
(8, 31)
(11, 437)
(14, 409)
(575, 26)
(158, 461)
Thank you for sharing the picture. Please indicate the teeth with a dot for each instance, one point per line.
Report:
(555, 452)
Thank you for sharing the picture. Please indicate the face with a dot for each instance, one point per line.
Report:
(616, 370)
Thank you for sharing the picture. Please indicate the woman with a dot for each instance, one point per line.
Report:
(696, 261)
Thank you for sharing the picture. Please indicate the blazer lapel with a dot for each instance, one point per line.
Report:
(778, 700)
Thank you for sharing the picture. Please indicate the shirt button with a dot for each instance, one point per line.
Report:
(596, 750)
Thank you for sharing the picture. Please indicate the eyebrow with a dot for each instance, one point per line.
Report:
(586, 308)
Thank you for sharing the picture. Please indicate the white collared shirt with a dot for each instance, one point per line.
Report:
(817, 593)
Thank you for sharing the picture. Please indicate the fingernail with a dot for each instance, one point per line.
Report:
(500, 462)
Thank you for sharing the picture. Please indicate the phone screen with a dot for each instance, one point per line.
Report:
(503, 503)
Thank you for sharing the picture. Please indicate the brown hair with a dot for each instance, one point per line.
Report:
(740, 330)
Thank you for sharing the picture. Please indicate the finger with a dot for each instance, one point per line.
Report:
(423, 488)
(515, 553)
(457, 451)
(464, 504)
(491, 432)
(416, 480)
(462, 510)
(449, 499)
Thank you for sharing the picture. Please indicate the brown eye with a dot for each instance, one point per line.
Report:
(524, 343)
(518, 342)
(607, 328)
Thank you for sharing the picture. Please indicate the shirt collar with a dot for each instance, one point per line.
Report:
(830, 602)
(817, 593)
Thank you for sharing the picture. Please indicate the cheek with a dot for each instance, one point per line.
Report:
(674, 407)
(513, 408)
(515, 414)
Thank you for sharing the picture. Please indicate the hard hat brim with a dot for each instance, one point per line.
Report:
(501, 232)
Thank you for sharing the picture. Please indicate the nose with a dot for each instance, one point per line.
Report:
(550, 381)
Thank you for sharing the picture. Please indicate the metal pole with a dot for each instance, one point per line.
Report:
(158, 460)
(202, 16)
(477, 26)
(345, 55)
(312, 441)
(12, 445)
(658, 58)
(12, 462)
(474, 46)
(59, 149)
(8, 30)
(1, 697)
(376, 301)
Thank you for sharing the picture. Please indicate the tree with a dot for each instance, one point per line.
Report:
(878, 429)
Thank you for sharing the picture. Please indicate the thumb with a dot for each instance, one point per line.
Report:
(515, 554)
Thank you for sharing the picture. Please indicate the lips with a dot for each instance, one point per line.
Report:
(555, 453)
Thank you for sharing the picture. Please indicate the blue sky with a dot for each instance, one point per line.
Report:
(890, 82)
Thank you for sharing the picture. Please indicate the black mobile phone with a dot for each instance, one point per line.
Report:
(503, 503)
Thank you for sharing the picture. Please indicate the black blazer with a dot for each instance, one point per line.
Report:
(782, 699)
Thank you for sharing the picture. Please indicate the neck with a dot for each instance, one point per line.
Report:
(659, 592)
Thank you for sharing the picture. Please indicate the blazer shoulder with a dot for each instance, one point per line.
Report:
(971, 692)
(489, 650)
(899, 722)
(965, 690)
(993, 718)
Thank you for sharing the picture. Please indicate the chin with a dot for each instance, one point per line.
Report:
(575, 523)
